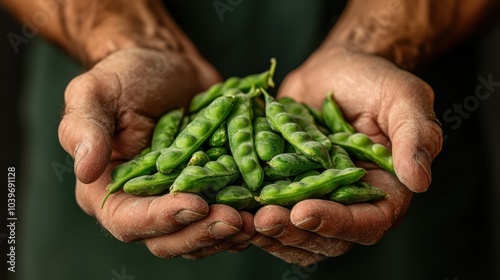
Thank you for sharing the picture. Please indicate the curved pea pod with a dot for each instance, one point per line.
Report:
(241, 141)
(357, 193)
(166, 129)
(219, 137)
(147, 185)
(262, 80)
(362, 147)
(199, 158)
(271, 174)
(216, 152)
(237, 197)
(340, 158)
(291, 164)
(268, 144)
(305, 120)
(305, 174)
(309, 187)
(142, 165)
(208, 179)
(333, 117)
(184, 122)
(284, 123)
(195, 133)
(318, 116)
(146, 150)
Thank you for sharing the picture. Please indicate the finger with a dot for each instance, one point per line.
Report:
(363, 223)
(235, 243)
(86, 128)
(274, 221)
(287, 253)
(129, 218)
(415, 134)
(222, 221)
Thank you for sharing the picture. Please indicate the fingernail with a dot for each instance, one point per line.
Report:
(261, 241)
(311, 224)
(240, 237)
(272, 231)
(424, 161)
(188, 216)
(221, 230)
(81, 150)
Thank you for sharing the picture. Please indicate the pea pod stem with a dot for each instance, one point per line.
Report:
(262, 80)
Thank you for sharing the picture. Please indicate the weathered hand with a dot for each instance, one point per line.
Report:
(109, 116)
(394, 108)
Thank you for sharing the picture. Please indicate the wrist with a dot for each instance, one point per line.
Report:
(402, 32)
(96, 29)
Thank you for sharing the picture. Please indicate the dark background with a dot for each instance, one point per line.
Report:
(456, 222)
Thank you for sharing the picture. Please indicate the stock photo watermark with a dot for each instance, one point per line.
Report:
(11, 220)
(223, 6)
(60, 169)
(455, 115)
(122, 275)
(30, 26)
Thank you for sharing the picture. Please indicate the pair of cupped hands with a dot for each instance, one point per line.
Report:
(110, 112)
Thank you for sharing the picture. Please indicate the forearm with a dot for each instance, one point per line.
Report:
(406, 31)
(91, 30)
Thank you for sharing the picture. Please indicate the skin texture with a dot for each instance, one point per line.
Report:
(140, 65)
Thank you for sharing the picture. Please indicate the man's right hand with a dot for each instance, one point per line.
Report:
(109, 115)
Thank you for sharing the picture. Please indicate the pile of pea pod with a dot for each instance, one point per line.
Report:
(237, 145)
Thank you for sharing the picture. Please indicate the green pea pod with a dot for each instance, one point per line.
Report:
(305, 120)
(216, 152)
(259, 107)
(305, 174)
(184, 122)
(262, 80)
(209, 179)
(147, 185)
(318, 116)
(219, 137)
(340, 158)
(333, 117)
(309, 187)
(199, 158)
(195, 133)
(284, 123)
(241, 141)
(128, 170)
(166, 129)
(146, 150)
(268, 144)
(357, 193)
(288, 165)
(271, 174)
(238, 197)
(362, 147)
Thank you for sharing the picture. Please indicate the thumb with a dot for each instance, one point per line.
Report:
(86, 128)
(416, 138)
